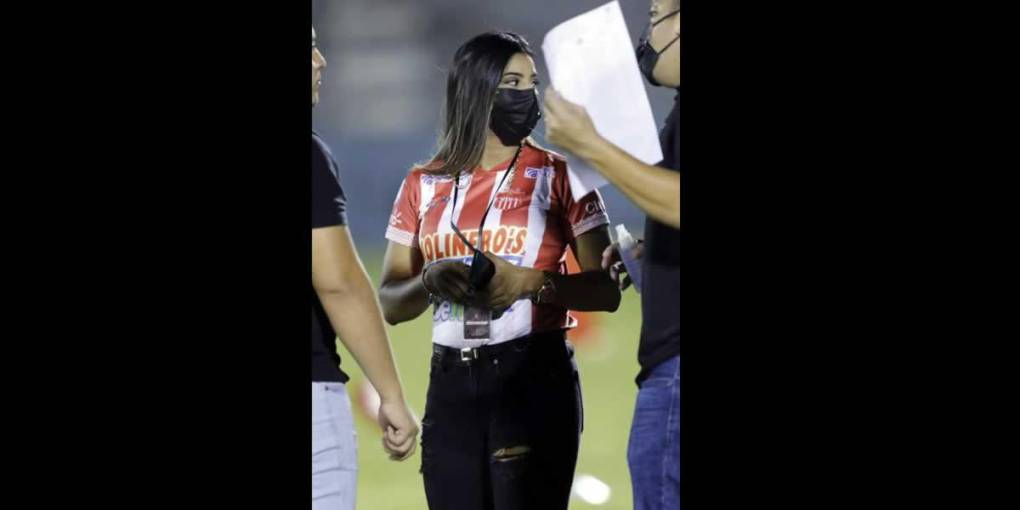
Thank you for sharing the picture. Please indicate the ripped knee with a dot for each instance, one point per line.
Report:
(511, 453)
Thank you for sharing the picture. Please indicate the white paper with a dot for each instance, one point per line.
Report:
(591, 62)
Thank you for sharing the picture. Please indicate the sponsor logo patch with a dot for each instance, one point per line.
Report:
(534, 173)
(436, 201)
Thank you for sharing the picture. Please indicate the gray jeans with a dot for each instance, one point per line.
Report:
(334, 448)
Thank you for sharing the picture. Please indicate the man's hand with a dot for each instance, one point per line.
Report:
(567, 124)
(400, 429)
(611, 261)
(655, 190)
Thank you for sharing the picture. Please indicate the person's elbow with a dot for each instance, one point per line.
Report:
(673, 219)
(390, 309)
(613, 299)
(391, 316)
(334, 287)
(351, 284)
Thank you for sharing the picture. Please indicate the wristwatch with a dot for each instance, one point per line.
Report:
(545, 293)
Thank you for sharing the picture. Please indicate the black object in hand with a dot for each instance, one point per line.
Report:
(482, 271)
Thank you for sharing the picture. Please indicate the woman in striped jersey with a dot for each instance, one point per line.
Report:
(503, 415)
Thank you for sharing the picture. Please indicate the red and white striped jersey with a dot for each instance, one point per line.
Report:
(533, 219)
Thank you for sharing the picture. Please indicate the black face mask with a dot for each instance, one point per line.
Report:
(647, 56)
(514, 114)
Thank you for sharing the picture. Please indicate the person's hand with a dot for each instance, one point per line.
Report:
(611, 261)
(448, 279)
(508, 284)
(567, 125)
(400, 429)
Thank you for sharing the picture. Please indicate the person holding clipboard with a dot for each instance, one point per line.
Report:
(654, 447)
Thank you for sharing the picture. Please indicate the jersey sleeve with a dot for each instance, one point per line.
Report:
(579, 216)
(404, 225)
(329, 204)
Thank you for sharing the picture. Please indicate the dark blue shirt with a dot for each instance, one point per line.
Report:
(662, 292)
(329, 208)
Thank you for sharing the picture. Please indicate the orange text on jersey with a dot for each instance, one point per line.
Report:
(503, 240)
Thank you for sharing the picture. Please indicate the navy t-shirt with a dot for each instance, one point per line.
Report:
(329, 208)
(662, 292)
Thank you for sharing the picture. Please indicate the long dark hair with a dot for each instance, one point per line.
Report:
(470, 90)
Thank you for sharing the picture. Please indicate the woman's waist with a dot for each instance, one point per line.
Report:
(521, 319)
(547, 343)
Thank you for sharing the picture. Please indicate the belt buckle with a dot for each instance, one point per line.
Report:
(468, 353)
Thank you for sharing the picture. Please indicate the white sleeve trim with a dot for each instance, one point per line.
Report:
(592, 222)
(400, 237)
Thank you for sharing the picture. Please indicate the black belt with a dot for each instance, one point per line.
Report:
(551, 343)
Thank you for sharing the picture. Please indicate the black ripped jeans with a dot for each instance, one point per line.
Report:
(501, 430)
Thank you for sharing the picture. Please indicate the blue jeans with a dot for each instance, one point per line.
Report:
(653, 453)
(334, 448)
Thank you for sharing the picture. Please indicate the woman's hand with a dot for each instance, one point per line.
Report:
(509, 284)
(448, 279)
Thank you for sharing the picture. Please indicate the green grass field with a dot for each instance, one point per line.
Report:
(608, 363)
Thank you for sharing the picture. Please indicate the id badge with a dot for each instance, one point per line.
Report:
(477, 323)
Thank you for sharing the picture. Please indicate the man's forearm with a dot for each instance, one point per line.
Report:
(355, 315)
(655, 190)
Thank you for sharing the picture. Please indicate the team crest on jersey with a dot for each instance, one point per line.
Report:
(511, 199)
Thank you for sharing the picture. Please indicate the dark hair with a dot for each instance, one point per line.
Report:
(470, 90)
